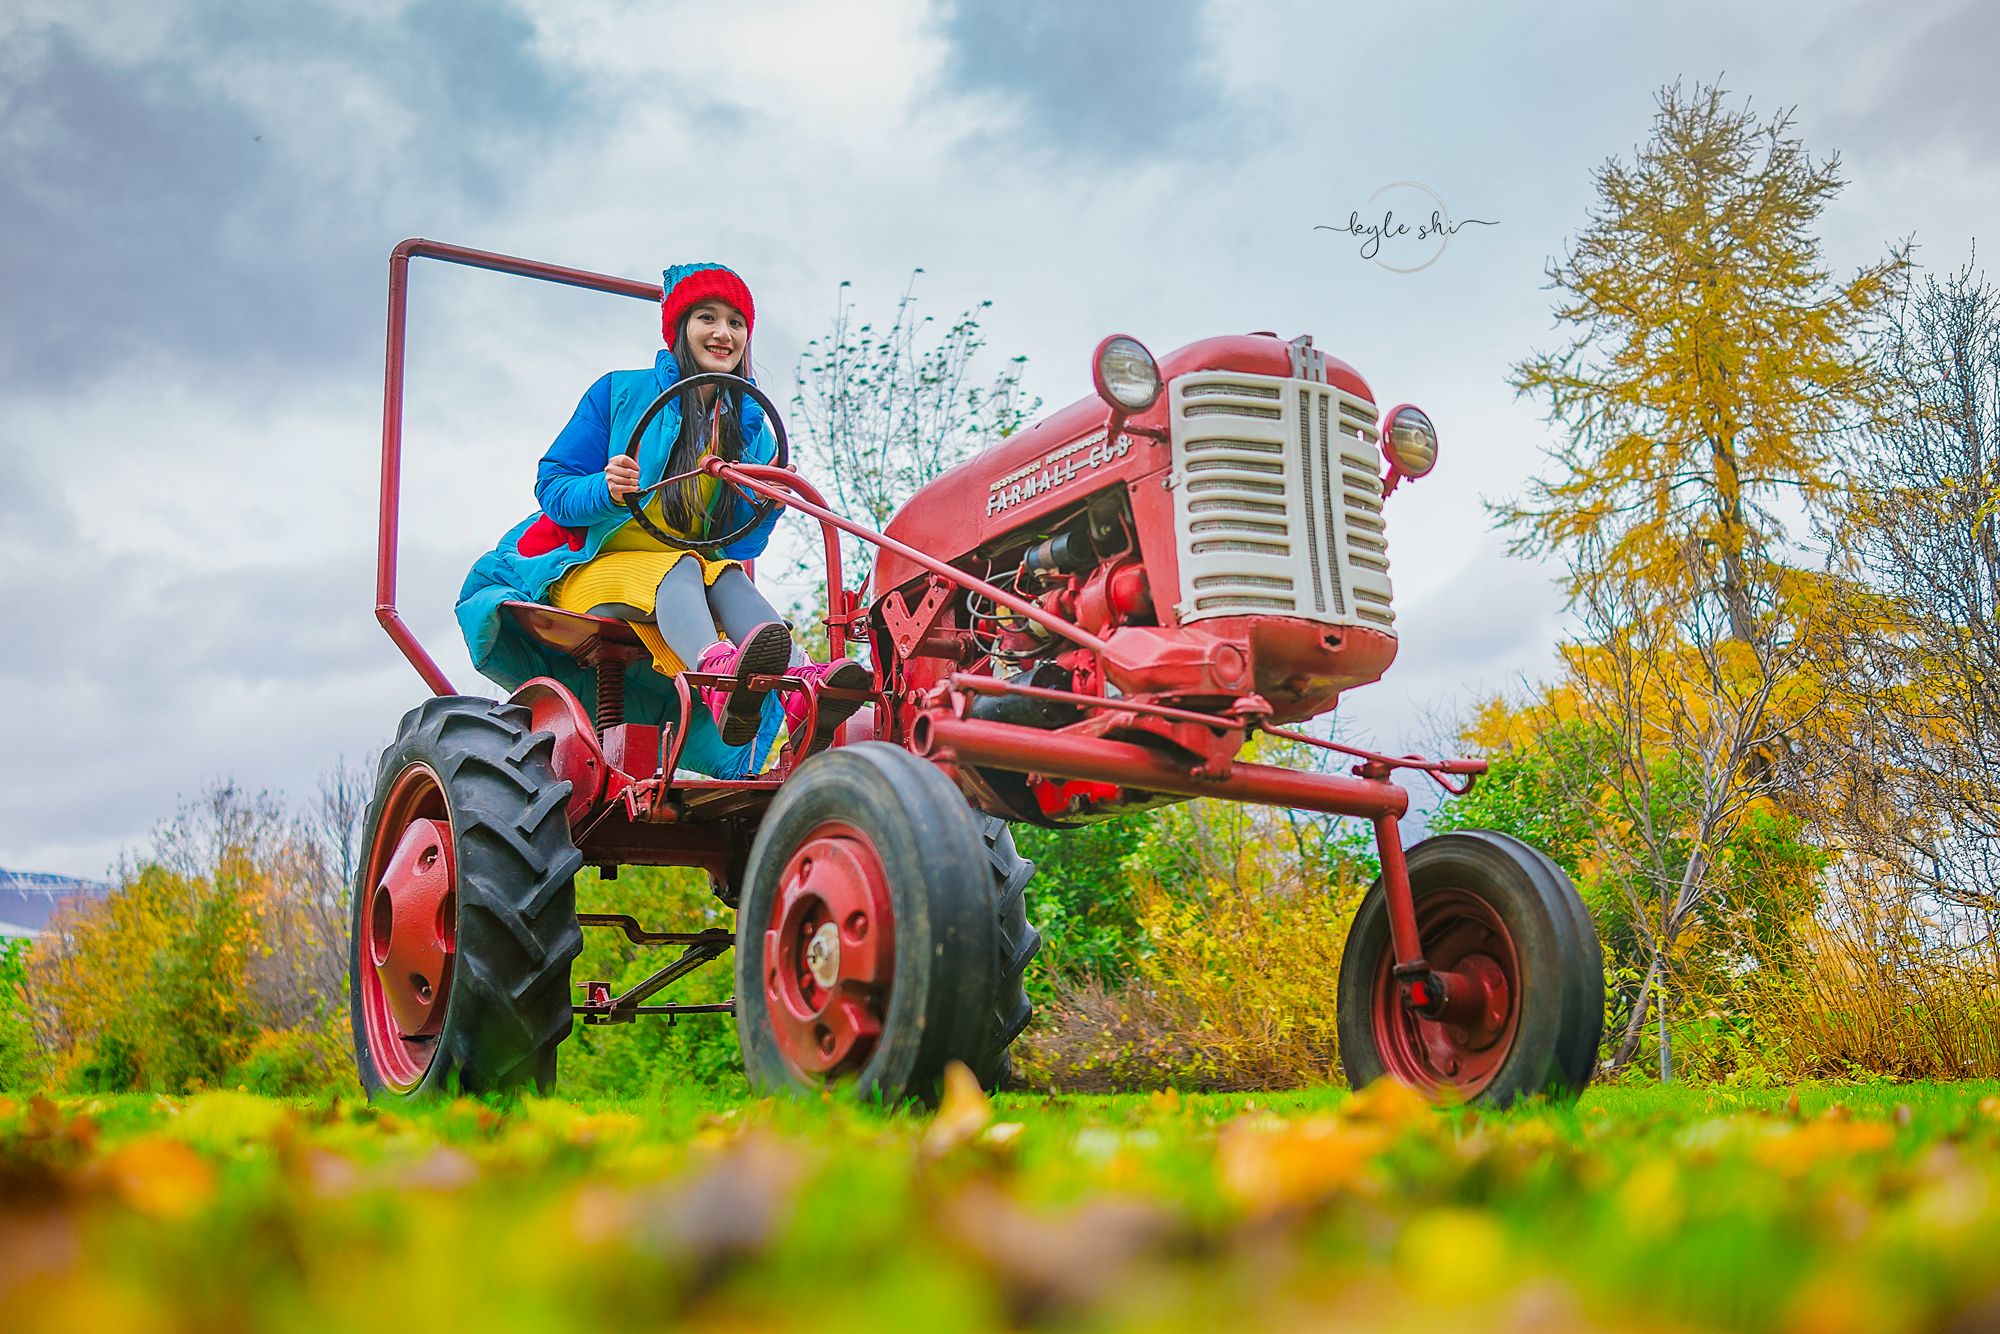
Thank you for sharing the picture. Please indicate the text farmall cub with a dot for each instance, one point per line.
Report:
(1087, 619)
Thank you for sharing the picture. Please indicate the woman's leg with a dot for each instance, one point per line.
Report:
(680, 610)
(739, 607)
(688, 615)
(736, 604)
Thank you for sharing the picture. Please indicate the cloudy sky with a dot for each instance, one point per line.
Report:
(199, 196)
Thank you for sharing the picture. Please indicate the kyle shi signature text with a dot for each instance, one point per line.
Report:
(1376, 233)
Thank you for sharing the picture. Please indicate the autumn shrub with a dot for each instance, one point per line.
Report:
(300, 1061)
(1880, 987)
(1241, 915)
(1083, 903)
(230, 930)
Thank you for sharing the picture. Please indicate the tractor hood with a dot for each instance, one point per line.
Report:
(1048, 466)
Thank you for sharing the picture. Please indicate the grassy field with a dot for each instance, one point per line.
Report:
(1834, 1208)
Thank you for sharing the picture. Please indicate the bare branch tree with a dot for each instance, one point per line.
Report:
(1921, 780)
(885, 410)
(1672, 731)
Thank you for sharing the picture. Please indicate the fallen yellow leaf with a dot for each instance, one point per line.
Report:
(1450, 1252)
(161, 1177)
(1270, 1166)
(1001, 1135)
(1800, 1150)
(963, 1112)
(1845, 1303)
(1388, 1103)
(1650, 1200)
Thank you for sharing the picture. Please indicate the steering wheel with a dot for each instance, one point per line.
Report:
(760, 510)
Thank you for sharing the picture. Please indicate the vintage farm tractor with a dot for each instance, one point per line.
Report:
(1088, 619)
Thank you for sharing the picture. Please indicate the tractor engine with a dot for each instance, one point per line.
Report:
(1213, 520)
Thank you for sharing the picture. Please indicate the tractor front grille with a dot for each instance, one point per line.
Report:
(1278, 500)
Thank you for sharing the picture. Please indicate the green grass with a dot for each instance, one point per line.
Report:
(1862, 1207)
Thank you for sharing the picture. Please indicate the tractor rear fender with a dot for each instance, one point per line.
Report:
(578, 756)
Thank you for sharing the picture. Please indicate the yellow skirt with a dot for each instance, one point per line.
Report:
(633, 578)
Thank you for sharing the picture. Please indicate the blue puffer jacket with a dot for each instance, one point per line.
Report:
(571, 488)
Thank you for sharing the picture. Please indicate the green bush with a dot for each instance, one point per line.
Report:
(21, 1065)
(310, 1059)
(1083, 900)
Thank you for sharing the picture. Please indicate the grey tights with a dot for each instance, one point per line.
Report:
(688, 613)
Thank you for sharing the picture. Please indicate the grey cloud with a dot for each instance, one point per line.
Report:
(1098, 78)
(145, 217)
(1941, 87)
(1494, 622)
(135, 685)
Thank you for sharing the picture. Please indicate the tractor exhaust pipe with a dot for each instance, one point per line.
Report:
(978, 744)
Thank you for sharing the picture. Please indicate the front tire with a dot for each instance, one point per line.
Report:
(867, 946)
(1491, 905)
(464, 915)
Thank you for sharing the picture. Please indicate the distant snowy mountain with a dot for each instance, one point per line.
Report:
(28, 897)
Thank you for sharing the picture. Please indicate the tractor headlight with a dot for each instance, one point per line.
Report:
(1410, 442)
(1126, 375)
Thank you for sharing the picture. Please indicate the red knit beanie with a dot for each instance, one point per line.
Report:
(688, 285)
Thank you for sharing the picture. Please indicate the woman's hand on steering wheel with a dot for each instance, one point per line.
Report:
(621, 474)
(760, 510)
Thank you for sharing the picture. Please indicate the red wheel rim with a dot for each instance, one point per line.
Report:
(408, 929)
(830, 953)
(1462, 934)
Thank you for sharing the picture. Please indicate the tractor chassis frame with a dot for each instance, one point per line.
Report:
(601, 1007)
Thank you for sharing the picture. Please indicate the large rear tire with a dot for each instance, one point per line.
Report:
(464, 915)
(867, 946)
(1487, 906)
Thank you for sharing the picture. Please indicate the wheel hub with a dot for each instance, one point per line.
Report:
(823, 955)
(413, 923)
(410, 929)
(829, 952)
(1462, 1037)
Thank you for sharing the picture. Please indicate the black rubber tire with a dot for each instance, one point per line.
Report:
(1019, 942)
(1560, 1005)
(509, 1005)
(947, 955)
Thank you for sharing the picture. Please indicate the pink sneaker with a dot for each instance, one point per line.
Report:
(840, 674)
(765, 651)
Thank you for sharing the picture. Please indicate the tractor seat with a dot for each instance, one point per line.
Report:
(572, 632)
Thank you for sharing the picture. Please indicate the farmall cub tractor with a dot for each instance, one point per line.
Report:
(1088, 619)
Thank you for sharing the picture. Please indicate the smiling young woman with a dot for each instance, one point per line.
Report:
(692, 604)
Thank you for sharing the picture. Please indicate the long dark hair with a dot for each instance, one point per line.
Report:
(680, 504)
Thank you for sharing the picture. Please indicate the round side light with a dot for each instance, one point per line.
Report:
(1409, 441)
(1125, 374)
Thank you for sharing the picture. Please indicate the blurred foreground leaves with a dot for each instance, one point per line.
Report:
(1840, 1208)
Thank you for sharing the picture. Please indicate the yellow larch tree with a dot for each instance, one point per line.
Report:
(1715, 358)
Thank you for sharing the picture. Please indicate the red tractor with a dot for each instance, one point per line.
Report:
(1088, 619)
